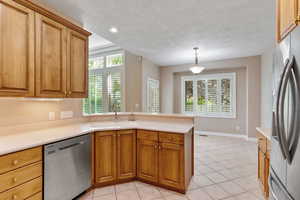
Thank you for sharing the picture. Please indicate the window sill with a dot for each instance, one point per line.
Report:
(221, 116)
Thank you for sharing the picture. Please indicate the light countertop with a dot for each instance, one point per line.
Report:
(267, 132)
(28, 139)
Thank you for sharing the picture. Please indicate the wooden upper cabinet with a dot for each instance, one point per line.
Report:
(41, 53)
(147, 160)
(105, 157)
(77, 65)
(171, 165)
(16, 49)
(51, 54)
(287, 17)
(126, 147)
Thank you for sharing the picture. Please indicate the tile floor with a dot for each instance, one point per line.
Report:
(225, 169)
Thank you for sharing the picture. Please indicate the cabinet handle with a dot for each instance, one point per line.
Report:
(15, 162)
(65, 93)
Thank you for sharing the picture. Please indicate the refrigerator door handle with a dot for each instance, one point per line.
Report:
(277, 111)
(294, 127)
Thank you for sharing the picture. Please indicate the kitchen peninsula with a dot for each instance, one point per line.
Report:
(154, 148)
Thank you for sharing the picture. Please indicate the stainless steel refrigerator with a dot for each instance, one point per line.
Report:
(284, 176)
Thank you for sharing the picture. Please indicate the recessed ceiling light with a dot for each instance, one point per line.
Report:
(113, 30)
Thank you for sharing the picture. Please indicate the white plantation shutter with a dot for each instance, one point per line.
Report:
(212, 96)
(114, 91)
(188, 96)
(153, 96)
(226, 98)
(209, 95)
(105, 84)
(201, 96)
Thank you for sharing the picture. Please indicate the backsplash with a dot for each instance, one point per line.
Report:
(20, 111)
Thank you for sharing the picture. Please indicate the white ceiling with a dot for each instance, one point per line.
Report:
(96, 41)
(165, 31)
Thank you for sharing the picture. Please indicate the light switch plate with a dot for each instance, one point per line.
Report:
(66, 114)
(51, 116)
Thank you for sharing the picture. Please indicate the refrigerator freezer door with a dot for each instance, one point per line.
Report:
(278, 161)
(293, 168)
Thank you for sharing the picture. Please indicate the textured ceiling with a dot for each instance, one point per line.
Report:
(96, 41)
(165, 31)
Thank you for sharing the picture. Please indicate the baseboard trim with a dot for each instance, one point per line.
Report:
(251, 139)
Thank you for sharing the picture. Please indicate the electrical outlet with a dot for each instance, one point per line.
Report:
(66, 114)
(51, 116)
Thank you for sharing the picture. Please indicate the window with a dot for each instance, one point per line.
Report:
(105, 84)
(212, 95)
(153, 96)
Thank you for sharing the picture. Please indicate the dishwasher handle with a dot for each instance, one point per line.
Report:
(71, 145)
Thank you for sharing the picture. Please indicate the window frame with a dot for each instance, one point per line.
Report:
(148, 92)
(106, 70)
(206, 77)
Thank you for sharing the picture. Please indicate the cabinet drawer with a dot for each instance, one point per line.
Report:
(171, 138)
(23, 191)
(20, 176)
(19, 159)
(37, 196)
(147, 135)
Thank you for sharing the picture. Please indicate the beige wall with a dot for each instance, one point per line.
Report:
(133, 82)
(251, 66)
(266, 88)
(149, 70)
(18, 111)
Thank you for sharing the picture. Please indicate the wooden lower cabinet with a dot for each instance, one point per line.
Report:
(115, 156)
(105, 152)
(126, 154)
(171, 165)
(165, 160)
(21, 175)
(263, 163)
(147, 160)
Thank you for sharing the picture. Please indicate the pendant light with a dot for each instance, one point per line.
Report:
(196, 69)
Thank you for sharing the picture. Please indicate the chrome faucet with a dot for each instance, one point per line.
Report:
(115, 110)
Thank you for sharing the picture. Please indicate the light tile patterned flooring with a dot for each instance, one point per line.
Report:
(225, 169)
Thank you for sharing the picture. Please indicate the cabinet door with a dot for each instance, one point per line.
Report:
(16, 50)
(105, 156)
(126, 154)
(286, 17)
(147, 160)
(261, 168)
(77, 65)
(171, 165)
(51, 53)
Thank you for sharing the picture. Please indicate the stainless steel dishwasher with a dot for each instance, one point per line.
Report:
(67, 168)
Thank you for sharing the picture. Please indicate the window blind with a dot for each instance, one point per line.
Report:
(209, 95)
(105, 84)
(153, 96)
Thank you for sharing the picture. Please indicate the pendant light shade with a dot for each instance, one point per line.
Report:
(196, 69)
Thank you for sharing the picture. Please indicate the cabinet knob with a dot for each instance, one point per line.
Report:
(15, 197)
(159, 147)
(65, 93)
(15, 162)
(14, 179)
(69, 93)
